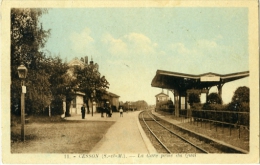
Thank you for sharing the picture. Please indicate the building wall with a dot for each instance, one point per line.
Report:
(75, 107)
(115, 102)
(161, 98)
(79, 103)
(91, 105)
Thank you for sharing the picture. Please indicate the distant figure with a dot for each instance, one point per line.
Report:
(111, 111)
(107, 111)
(83, 111)
(121, 112)
(102, 111)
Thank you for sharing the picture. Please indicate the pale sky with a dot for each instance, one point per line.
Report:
(130, 44)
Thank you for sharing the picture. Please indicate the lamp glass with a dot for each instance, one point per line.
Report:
(22, 71)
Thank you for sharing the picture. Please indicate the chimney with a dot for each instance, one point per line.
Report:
(86, 59)
(91, 62)
(82, 59)
(96, 66)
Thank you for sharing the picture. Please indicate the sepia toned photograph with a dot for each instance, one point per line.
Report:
(128, 82)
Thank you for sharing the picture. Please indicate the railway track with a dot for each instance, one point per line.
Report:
(167, 138)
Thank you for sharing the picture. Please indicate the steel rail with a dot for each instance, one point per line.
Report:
(155, 135)
(201, 149)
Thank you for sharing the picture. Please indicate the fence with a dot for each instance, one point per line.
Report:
(216, 118)
(170, 110)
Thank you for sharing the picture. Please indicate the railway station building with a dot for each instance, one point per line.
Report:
(78, 101)
(161, 97)
(180, 84)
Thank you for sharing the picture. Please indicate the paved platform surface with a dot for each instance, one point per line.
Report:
(125, 136)
(122, 137)
(95, 117)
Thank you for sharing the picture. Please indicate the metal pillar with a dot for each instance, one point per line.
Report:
(22, 114)
(176, 103)
(220, 90)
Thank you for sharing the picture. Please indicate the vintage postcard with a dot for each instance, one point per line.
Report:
(130, 82)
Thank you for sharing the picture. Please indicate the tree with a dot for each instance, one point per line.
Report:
(27, 37)
(70, 89)
(39, 94)
(241, 94)
(140, 104)
(193, 96)
(240, 100)
(214, 98)
(58, 82)
(89, 80)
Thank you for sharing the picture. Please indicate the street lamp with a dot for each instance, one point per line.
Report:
(22, 72)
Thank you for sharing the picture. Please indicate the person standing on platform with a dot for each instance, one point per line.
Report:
(121, 112)
(83, 111)
(111, 111)
(102, 111)
(107, 110)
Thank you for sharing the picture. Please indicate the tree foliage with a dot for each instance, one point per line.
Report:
(240, 100)
(61, 84)
(27, 37)
(241, 94)
(214, 98)
(48, 81)
(89, 80)
(194, 96)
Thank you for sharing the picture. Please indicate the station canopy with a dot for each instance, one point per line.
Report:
(183, 82)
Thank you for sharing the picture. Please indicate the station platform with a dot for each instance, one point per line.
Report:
(95, 117)
(125, 136)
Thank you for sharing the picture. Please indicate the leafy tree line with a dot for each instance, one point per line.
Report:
(239, 102)
(136, 105)
(48, 82)
(166, 105)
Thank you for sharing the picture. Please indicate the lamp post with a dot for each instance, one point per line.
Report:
(22, 72)
(93, 99)
(107, 108)
(92, 103)
(96, 75)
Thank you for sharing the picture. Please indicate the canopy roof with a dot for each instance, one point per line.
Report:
(182, 81)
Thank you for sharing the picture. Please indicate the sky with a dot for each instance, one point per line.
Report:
(131, 44)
